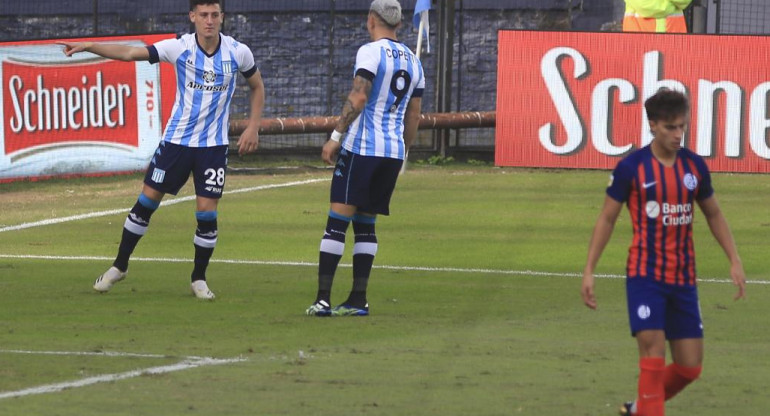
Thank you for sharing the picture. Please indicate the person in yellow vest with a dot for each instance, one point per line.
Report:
(662, 16)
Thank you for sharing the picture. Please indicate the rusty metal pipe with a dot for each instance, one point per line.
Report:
(298, 125)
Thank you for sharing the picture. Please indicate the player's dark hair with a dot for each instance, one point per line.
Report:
(194, 3)
(666, 104)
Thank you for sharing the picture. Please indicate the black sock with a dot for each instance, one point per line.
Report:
(364, 250)
(134, 228)
(205, 240)
(332, 247)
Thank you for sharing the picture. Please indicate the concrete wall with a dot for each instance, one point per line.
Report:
(306, 52)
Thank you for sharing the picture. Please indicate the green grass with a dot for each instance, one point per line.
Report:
(449, 341)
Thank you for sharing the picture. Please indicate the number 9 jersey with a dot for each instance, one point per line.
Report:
(396, 75)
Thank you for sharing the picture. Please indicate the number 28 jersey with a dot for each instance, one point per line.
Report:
(661, 203)
(205, 86)
(397, 76)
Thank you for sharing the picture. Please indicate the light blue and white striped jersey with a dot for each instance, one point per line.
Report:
(396, 75)
(205, 86)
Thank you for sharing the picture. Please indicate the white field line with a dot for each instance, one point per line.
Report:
(384, 267)
(190, 362)
(164, 203)
(91, 353)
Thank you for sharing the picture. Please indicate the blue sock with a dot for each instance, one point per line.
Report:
(364, 250)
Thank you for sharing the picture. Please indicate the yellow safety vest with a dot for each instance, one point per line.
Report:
(664, 16)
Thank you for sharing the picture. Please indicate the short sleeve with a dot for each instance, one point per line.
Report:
(167, 50)
(621, 179)
(246, 63)
(367, 59)
(705, 189)
(421, 83)
(420, 87)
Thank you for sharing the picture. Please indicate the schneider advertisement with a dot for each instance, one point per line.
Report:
(79, 115)
(575, 100)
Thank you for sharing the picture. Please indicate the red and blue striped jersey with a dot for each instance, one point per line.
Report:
(661, 200)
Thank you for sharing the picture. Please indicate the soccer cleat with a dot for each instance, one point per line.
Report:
(347, 310)
(107, 279)
(625, 409)
(201, 290)
(320, 308)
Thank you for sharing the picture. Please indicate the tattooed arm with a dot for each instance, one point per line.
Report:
(350, 111)
(355, 103)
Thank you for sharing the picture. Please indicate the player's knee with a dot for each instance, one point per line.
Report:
(363, 227)
(689, 373)
(147, 202)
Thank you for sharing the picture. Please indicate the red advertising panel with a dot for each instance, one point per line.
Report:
(82, 114)
(575, 100)
(49, 105)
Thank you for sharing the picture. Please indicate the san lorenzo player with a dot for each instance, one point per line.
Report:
(660, 184)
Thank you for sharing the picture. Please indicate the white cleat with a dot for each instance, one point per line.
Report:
(201, 290)
(107, 279)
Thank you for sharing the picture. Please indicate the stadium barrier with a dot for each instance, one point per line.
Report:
(575, 99)
(86, 115)
(297, 125)
(81, 114)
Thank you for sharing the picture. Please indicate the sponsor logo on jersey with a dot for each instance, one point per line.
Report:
(209, 76)
(652, 208)
(672, 214)
(210, 88)
(676, 214)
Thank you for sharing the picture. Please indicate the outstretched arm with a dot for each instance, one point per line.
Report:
(350, 110)
(605, 224)
(107, 50)
(249, 140)
(721, 231)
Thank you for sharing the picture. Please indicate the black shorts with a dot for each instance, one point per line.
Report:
(366, 182)
(172, 164)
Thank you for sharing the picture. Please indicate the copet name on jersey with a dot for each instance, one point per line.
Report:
(397, 54)
(670, 212)
(213, 88)
(214, 189)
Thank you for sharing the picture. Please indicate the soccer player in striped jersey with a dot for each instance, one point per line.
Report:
(195, 140)
(378, 124)
(660, 184)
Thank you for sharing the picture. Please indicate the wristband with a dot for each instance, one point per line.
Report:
(336, 136)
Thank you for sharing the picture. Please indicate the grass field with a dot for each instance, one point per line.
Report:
(475, 303)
